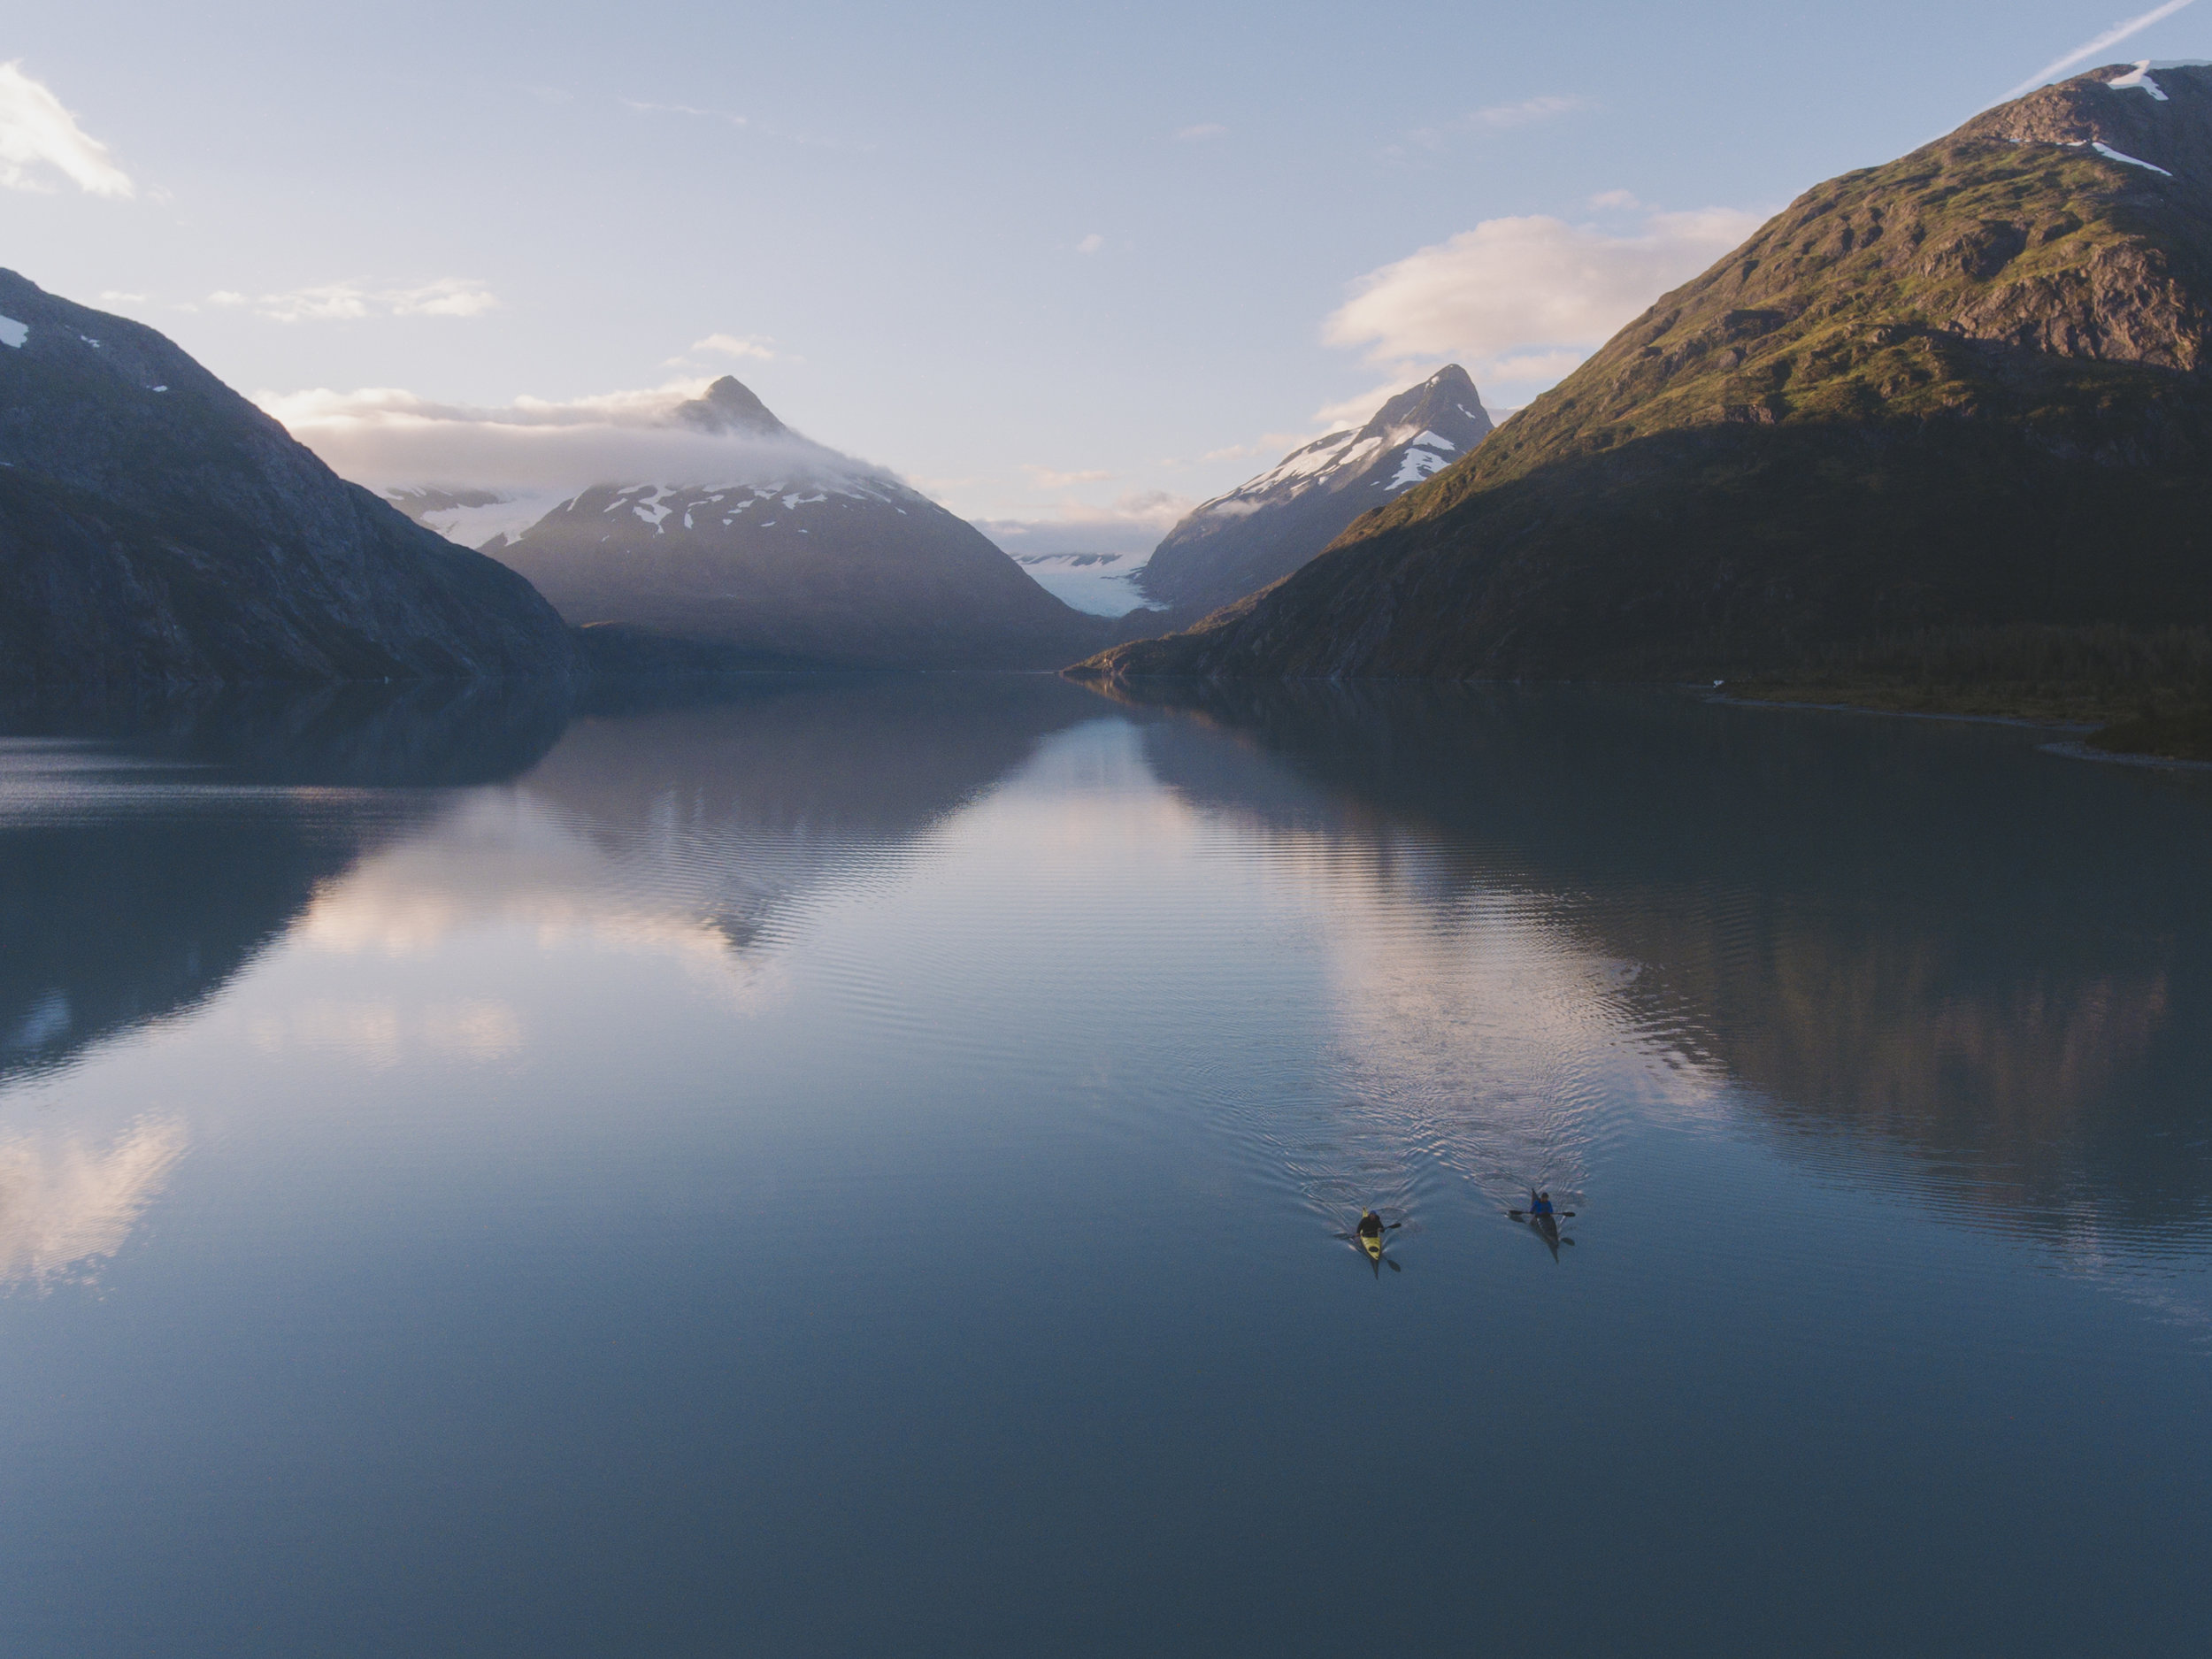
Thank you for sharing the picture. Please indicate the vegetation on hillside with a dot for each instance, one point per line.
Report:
(1954, 398)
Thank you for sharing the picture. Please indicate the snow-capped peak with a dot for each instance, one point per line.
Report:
(1271, 522)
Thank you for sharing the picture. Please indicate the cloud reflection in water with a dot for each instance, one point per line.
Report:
(67, 1203)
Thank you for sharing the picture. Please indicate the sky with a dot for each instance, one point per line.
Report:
(1067, 270)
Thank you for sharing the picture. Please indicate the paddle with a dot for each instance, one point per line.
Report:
(1524, 1215)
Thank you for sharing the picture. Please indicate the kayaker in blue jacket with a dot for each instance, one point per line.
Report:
(1539, 1204)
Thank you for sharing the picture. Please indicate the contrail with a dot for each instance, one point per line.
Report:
(2112, 36)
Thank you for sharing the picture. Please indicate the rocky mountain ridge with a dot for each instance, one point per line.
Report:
(1963, 389)
(1271, 524)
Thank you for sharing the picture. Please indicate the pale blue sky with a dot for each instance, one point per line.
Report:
(896, 201)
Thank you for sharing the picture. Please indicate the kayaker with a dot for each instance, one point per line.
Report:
(1541, 1205)
(1370, 1226)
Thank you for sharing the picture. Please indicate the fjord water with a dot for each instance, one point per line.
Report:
(860, 1165)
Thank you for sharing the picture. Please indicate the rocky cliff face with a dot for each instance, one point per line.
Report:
(1268, 525)
(1967, 388)
(154, 526)
(796, 557)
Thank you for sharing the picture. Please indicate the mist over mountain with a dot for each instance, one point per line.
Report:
(765, 548)
(154, 526)
(1966, 388)
(1270, 525)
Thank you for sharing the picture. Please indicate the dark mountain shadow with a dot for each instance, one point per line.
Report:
(1897, 932)
(422, 734)
(151, 848)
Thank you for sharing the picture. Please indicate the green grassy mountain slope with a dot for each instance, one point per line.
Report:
(1972, 387)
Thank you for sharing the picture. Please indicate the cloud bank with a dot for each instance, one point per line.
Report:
(37, 136)
(1523, 300)
(1133, 523)
(384, 437)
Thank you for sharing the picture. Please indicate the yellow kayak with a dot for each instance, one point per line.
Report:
(1370, 1242)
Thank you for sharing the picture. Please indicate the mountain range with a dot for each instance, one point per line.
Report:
(157, 526)
(1965, 388)
(1270, 525)
(798, 556)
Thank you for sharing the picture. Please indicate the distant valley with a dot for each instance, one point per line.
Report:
(1104, 584)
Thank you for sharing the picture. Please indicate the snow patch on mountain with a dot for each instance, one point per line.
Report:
(2140, 79)
(2110, 154)
(1425, 456)
(1265, 528)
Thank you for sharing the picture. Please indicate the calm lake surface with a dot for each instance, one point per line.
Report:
(861, 1166)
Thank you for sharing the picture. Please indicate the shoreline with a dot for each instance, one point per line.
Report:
(2067, 748)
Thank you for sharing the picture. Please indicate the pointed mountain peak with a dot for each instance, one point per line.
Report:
(1445, 403)
(729, 406)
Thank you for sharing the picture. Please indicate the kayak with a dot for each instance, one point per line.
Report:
(1547, 1228)
(1370, 1242)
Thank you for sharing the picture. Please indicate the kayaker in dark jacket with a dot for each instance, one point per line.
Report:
(1370, 1225)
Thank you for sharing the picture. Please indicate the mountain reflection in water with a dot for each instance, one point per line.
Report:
(1891, 933)
(869, 1165)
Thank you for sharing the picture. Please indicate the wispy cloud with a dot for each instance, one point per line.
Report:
(1494, 118)
(731, 116)
(1523, 299)
(1046, 478)
(350, 302)
(1528, 109)
(758, 346)
(1204, 129)
(38, 136)
(1091, 244)
(2111, 37)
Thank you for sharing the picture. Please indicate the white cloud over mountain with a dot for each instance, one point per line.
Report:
(1522, 299)
(38, 137)
(383, 436)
